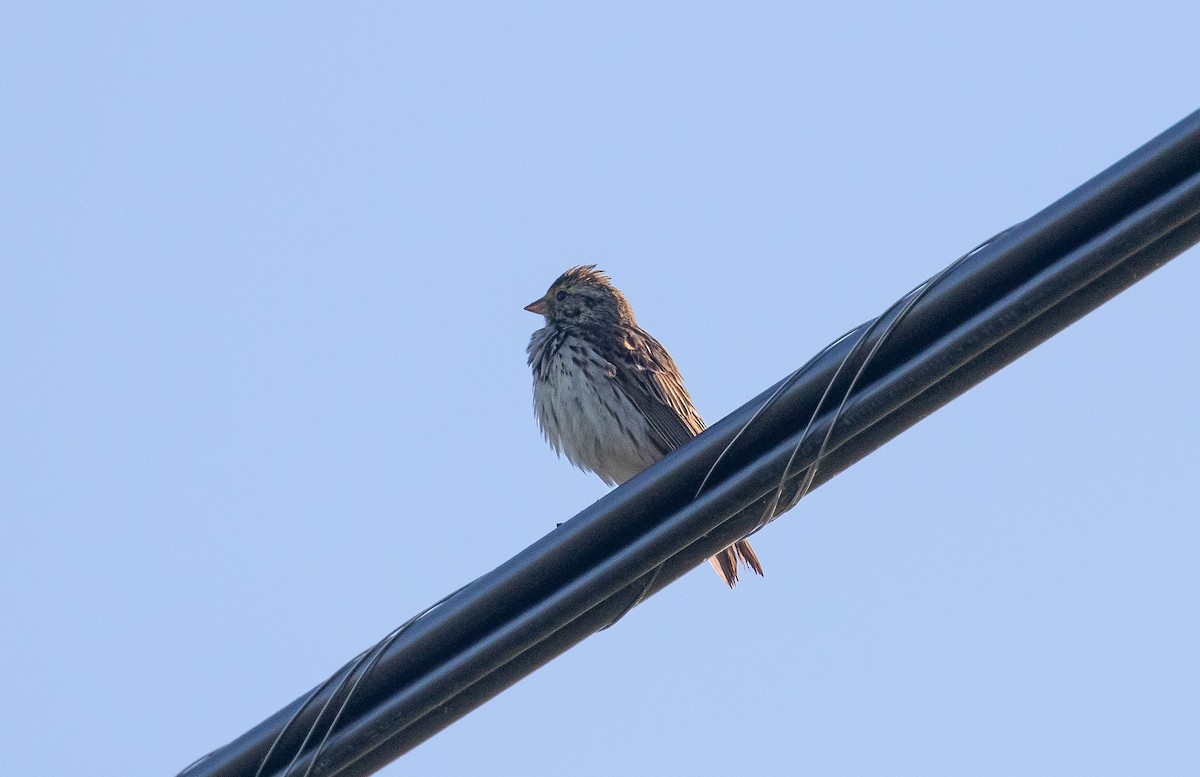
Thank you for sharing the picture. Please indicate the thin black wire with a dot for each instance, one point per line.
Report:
(377, 651)
(650, 578)
(351, 670)
(903, 308)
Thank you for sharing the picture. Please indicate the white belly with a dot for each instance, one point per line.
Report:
(587, 418)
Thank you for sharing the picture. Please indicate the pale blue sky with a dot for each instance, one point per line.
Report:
(265, 392)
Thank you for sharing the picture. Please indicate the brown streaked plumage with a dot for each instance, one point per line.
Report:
(606, 394)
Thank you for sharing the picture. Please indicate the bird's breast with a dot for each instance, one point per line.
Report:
(586, 415)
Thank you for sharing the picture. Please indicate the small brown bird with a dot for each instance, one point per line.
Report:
(607, 394)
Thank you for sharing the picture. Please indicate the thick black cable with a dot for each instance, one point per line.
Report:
(995, 305)
(998, 356)
(729, 497)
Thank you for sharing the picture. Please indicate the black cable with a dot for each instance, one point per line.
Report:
(980, 314)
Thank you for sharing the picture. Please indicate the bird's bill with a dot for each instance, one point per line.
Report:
(538, 307)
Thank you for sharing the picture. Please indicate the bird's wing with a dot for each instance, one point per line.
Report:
(652, 382)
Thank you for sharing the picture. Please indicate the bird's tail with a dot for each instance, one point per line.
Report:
(726, 562)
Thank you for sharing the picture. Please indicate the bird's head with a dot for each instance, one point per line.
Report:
(583, 296)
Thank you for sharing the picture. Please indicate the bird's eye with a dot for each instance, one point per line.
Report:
(560, 296)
